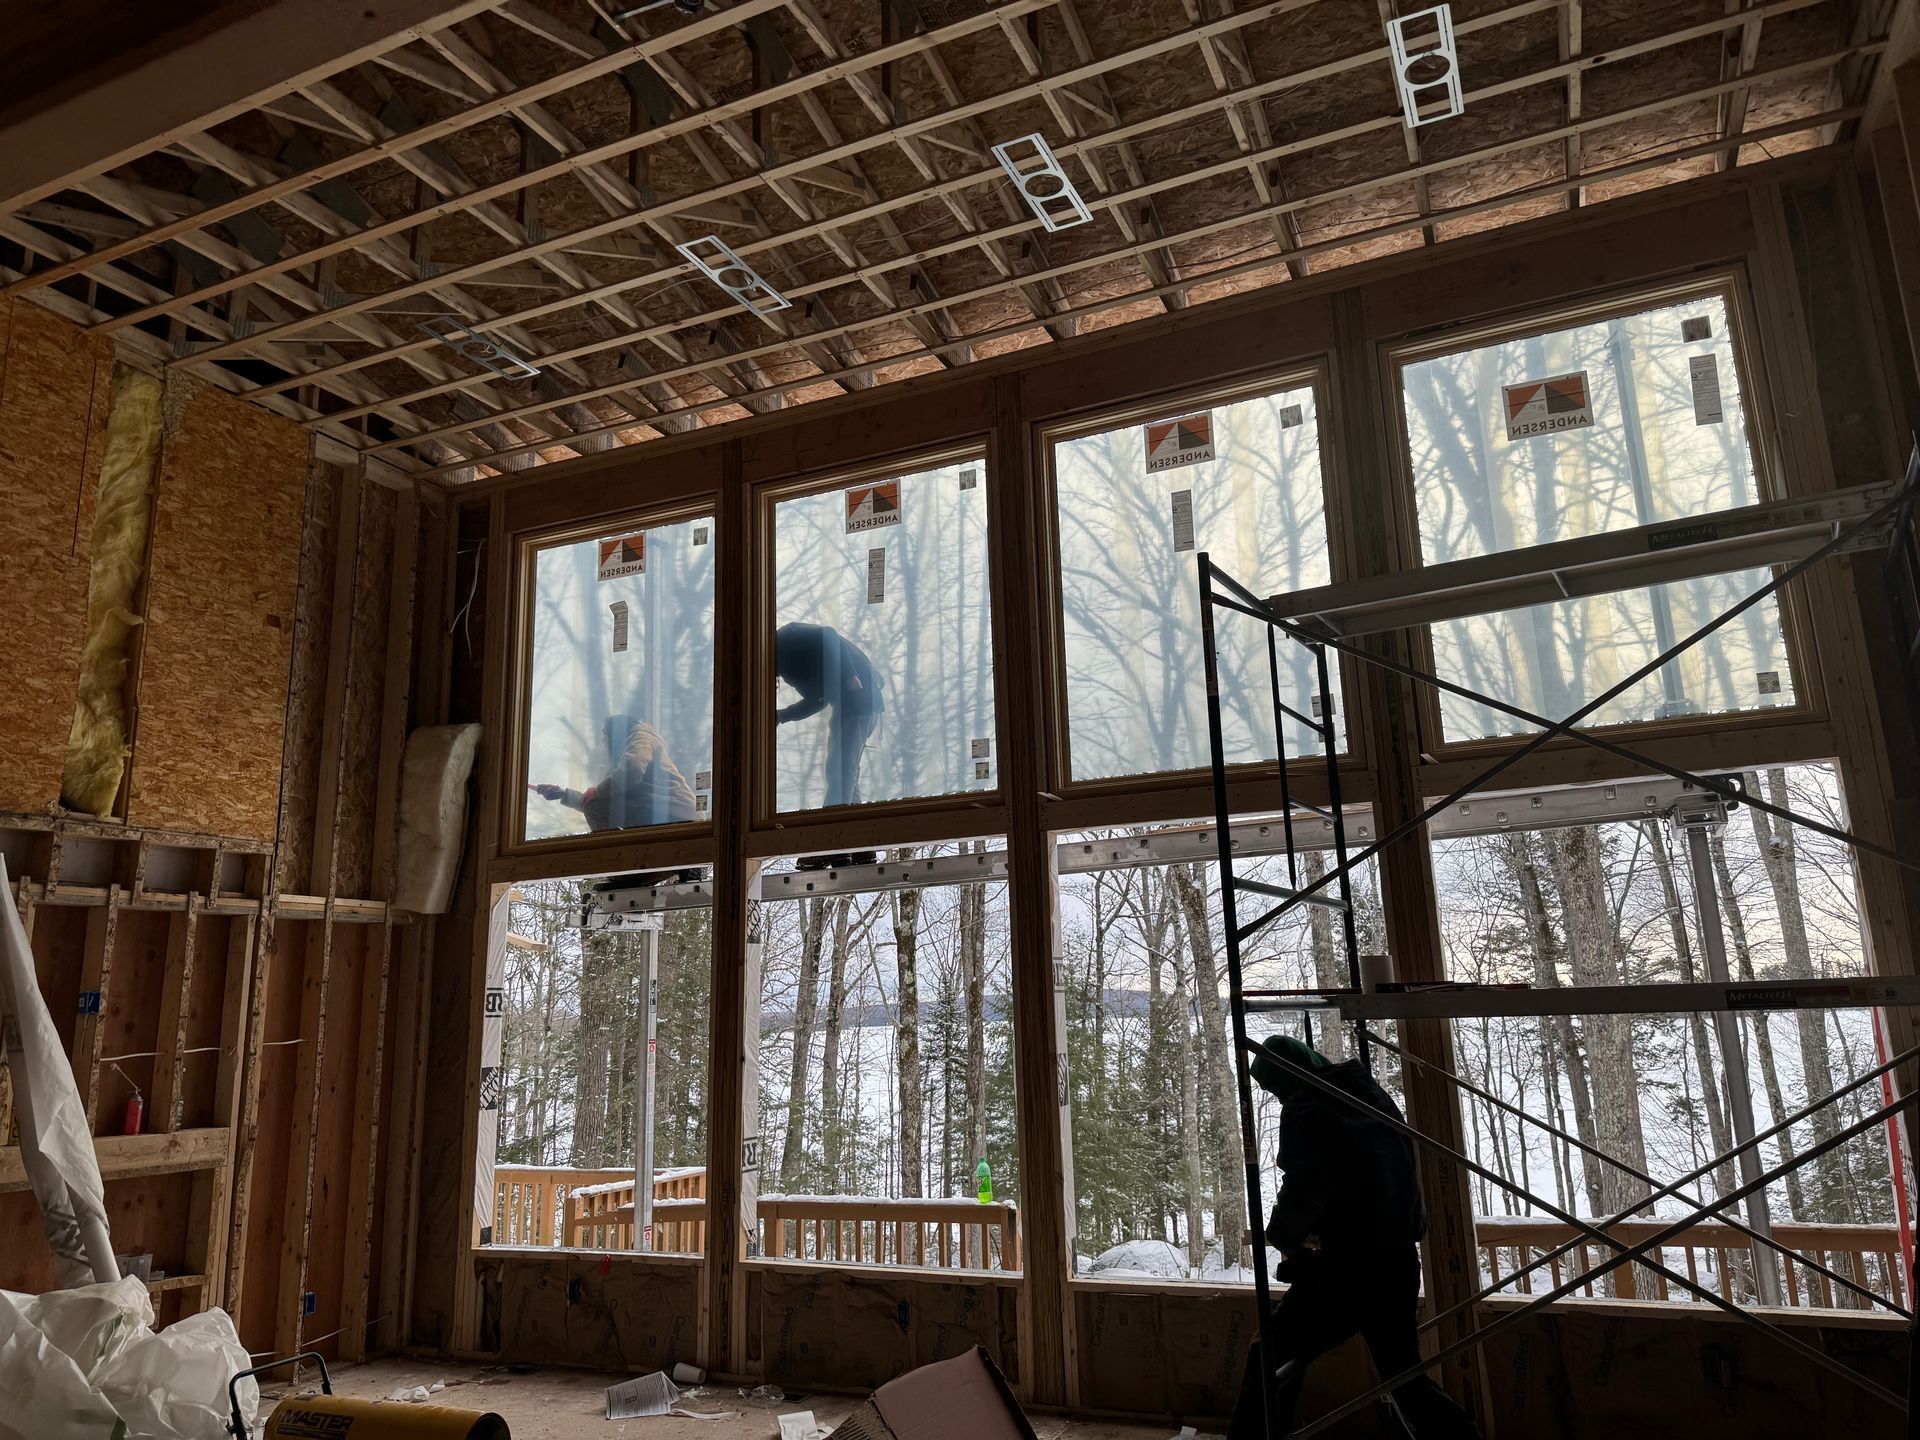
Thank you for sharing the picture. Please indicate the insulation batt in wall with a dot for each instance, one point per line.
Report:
(97, 748)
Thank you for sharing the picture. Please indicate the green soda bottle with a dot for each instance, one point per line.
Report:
(983, 1181)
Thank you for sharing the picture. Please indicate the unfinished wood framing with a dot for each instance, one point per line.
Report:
(339, 564)
(870, 193)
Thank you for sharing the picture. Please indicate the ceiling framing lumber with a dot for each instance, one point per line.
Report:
(526, 169)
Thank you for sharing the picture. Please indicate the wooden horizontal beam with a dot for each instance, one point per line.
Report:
(128, 1157)
(1132, 297)
(189, 78)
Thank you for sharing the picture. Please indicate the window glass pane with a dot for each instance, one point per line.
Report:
(1640, 424)
(1130, 606)
(1613, 903)
(620, 721)
(571, 1044)
(1600, 426)
(1553, 659)
(883, 641)
(1155, 1127)
(886, 1073)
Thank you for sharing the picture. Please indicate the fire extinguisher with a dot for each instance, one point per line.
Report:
(135, 1113)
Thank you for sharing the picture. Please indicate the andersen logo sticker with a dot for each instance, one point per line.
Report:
(1174, 443)
(1546, 407)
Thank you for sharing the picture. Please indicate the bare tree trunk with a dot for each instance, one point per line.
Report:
(590, 1094)
(806, 1007)
(1592, 946)
(831, 1133)
(1816, 1062)
(1736, 922)
(906, 952)
(973, 969)
(1546, 975)
(1329, 966)
(1216, 1064)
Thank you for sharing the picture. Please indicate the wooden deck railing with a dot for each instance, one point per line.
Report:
(1706, 1253)
(535, 1204)
(944, 1234)
(593, 1210)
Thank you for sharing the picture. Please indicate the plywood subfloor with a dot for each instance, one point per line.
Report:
(556, 1404)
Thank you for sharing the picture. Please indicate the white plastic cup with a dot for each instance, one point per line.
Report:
(1375, 971)
(685, 1374)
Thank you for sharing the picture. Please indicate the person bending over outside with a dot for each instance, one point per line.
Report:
(830, 672)
(1347, 1224)
(644, 787)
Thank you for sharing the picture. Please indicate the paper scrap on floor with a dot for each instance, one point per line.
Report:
(800, 1425)
(641, 1397)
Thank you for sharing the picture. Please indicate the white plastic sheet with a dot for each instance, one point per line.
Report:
(55, 1139)
(85, 1364)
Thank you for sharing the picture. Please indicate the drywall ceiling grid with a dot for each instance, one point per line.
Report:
(490, 245)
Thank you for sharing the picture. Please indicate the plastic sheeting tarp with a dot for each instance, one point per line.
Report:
(433, 815)
(86, 1364)
(97, 746)
(55, 1140)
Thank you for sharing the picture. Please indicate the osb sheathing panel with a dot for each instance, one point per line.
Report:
(610, 1312)
(367, 663)
(220, 597)
(857, 1329)
(54, 384)
(1587, 1372)
(1182, 1355)
(307, 687)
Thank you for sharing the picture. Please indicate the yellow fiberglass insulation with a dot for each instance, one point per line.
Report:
(97, 746)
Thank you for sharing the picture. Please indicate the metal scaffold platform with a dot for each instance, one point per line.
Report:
(1790, 538)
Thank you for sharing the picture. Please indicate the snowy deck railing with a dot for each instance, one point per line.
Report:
(1709, 1252)
(593, 1210)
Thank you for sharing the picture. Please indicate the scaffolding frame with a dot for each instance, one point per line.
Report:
(1328, 620)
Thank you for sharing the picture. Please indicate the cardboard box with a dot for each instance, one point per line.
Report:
(965, 1398)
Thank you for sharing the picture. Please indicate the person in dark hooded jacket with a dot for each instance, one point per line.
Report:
(1347, 1224)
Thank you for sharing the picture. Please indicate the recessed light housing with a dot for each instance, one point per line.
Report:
(732, 274)
(483, 350)
(1426, 68)
(1031, 164)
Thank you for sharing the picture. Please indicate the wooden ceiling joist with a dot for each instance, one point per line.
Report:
(845, 154)
(1280, 207)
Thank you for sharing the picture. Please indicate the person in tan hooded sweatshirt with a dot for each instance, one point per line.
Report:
(643, 788)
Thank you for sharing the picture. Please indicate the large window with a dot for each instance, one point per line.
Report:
(1160, 1187)
(1614, 903)
(1135, 503)
(882, 640)
(620, 680)
(886, 1064)
(570, 1094)
(1610, 423)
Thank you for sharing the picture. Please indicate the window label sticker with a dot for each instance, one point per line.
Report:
(1705, 373)
(876, 576)
(981, 749)
(1183, 520)
(871, 506)
(623, 555)
(703, 779)
(1547, 407)
(1290, 416)
(969, 477)
(1769, 681)
(619, 609)
(699, 534)
(1696, 327)
(1313, 705)
(1174, 443)
(982, 769)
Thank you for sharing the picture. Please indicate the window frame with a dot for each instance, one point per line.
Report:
(762, 738)
(1315, 374)
(1729, 284)
(518, 720)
